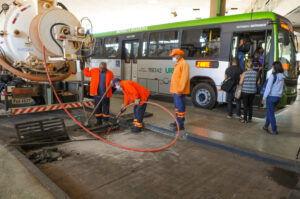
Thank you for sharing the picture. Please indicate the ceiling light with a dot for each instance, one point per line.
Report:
(233, 8)
(196, 9)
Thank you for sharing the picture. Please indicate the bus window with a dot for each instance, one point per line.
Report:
(267, 47)
(145, 45)
(162, 43)
(287, 55)
(199, 43)
(135, 51)
(98, 51)
(111, 47)
(127, 52)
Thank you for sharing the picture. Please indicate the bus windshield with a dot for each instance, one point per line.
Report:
(287, 55)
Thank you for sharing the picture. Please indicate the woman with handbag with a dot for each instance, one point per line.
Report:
(248, 86)
(272, 95)
(234, 73)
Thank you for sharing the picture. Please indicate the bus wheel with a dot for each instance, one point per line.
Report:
(204, 96)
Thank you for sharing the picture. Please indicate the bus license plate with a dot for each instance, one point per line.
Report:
(22, 101)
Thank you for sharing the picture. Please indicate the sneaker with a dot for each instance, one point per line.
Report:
(174, 124)
(244, 121)
(265, 129)
(250, 120)
(229, 117)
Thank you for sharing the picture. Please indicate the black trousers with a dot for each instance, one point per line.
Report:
(103, 110)
(230, 99)
(248, 105)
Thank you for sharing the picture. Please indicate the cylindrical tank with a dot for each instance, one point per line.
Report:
(25, 26)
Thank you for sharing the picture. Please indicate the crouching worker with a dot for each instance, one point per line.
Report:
(100, 80)
(134, 93)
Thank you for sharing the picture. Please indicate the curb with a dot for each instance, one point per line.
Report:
(44, 180)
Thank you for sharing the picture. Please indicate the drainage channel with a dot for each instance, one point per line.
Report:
(274, 161)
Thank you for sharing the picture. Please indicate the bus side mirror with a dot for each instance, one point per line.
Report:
(286, 38)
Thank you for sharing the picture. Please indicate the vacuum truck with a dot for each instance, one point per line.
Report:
(25, 27)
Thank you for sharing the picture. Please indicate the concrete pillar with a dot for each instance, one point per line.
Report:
(217, 8)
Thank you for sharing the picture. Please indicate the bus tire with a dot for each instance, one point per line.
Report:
(204, 96)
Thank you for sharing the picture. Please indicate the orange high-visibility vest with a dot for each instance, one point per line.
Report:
(180, 82)
(95, 79)
(132, 91)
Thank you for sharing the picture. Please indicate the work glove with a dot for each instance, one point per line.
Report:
(137, 101)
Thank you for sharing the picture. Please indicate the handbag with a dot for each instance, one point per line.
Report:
(263, 88)
(238, 92)
(227, 84)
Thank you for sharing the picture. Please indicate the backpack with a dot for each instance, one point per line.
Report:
(227, 84)
(263, 88)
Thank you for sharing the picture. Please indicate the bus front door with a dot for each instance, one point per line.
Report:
(130, 54)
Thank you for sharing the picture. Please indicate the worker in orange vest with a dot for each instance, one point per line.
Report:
(180, 86)
(101, 78)
(134, 93)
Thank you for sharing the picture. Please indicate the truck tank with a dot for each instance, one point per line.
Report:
(27, 25)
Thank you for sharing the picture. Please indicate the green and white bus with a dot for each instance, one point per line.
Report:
(142, 54)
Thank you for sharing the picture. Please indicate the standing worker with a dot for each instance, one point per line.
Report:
(180, 86)
(134, 93)
(100, 80)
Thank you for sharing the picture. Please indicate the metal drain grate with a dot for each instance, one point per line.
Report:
(41, 131)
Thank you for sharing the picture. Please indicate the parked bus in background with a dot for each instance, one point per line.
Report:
(141, 54)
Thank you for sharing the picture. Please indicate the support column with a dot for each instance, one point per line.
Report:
(217, 8)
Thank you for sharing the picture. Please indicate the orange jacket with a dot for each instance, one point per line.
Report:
(132, 91)
(95, 79)
(180, 82)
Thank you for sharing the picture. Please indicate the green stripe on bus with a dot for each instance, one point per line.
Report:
(215, 20)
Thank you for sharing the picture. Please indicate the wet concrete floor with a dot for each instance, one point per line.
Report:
(186, 170)
(94, 169)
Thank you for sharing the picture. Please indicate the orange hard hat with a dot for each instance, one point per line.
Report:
(176, 51)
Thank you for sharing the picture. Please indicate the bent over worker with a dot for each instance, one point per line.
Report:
(100, 80)
(134, 93)
(180, 86)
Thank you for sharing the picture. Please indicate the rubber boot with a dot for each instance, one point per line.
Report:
(99, 121)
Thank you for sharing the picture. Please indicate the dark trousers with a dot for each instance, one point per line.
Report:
(139, 111)
(248, 105)
(230, 99)
(103, 109)
(271, 103)
(179, 103)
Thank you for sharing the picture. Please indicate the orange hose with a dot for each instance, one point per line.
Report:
(102, 139)
(34, 77)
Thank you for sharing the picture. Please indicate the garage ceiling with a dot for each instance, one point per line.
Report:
(123, 14)
(294, 17)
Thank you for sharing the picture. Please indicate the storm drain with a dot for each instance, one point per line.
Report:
(40, 132)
